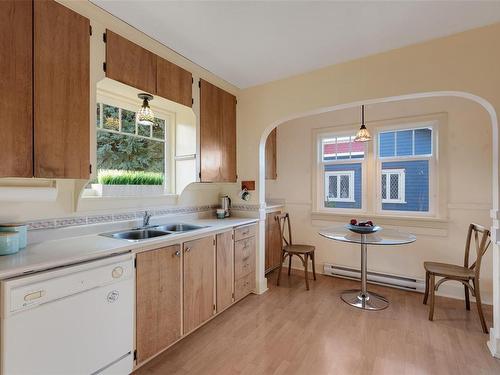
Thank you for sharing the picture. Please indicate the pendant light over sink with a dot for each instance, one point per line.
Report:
(145, 115)
(363, 135)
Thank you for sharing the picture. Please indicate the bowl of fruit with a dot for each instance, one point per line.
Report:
(362, 227)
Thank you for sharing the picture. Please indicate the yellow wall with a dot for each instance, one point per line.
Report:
(466, 62)
(462, 62)
(465, 149)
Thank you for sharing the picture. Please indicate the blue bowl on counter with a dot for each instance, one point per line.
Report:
(22, 229)
(9, 243)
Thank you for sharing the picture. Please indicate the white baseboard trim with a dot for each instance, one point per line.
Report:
(494, 344)
(448, 289)
(261, 286)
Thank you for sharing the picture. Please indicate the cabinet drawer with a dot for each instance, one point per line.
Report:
(244, 286)
(245, 232)
(243, 249)
(244, 266)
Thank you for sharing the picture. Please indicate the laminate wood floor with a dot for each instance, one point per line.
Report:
(289, 330)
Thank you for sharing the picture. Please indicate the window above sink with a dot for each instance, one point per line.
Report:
(140, 160)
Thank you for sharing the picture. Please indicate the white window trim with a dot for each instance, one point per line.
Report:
(371, 171)
(123, 102)
(433, 168)
(339, 174)
(319, 164)
(401, 185)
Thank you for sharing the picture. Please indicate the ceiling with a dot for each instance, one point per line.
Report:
(252, 42)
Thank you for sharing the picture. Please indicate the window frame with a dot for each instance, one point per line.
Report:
(431, 158)
(319, 180)
(339, 174)
(127, 103)
(371, 176)
(400, 173)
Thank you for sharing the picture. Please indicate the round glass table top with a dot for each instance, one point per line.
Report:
(382, 237)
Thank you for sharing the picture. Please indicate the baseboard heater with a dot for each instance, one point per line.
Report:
(394, 281)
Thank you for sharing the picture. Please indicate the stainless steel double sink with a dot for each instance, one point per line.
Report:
(140, 234)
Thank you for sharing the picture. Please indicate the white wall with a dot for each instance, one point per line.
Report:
(467, 197)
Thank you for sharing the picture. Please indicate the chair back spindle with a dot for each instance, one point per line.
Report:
(482, 240)
(284, 227)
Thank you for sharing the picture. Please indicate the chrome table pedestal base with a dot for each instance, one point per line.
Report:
(365, 301)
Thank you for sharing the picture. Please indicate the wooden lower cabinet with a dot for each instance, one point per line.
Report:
(273, 242)
(244, 260)
(225, 269)
(180, 287)
(158, 297)
(199, 278)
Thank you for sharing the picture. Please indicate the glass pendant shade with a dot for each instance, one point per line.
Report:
(145, 115)
(363, 135)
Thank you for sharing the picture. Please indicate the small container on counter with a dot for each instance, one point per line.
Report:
(221, 213)
(9, 243)
(22, 229)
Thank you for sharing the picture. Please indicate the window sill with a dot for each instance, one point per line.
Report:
(97, 203)
(134, 197)
(439, 224)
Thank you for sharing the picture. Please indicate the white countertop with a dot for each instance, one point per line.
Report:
(61, 252)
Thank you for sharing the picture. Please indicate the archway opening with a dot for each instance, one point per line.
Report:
(492, 181)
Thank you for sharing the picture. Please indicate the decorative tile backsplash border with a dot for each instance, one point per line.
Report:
(109, 218)
(245, 207)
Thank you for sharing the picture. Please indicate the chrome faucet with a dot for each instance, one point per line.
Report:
(145, 219)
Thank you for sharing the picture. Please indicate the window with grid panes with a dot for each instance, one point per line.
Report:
(125, 145)
(342, 165)
(405, 158)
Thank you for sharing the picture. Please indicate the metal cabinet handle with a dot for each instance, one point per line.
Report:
(187, 249)
(177, 253)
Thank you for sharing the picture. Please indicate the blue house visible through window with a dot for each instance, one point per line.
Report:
(342, 160)
(405, 176)
(343, 185)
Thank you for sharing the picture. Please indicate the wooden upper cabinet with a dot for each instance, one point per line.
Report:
(158, 294)
(61, 92)
(217, 134)
(129, 63)
(199, 269)
(271, 159)
(16, 121)
(173, 82)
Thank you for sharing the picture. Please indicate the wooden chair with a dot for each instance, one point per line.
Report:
(303, 252)
(465, 274)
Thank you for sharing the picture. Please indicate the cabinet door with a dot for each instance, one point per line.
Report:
(271, 173)
(16, 111)
(199, 269)
(268, 256)
(61, 92)
(217, 134)
(173, 82)
(129, 63)
(158, 295)
(273, 242)
(225, 270)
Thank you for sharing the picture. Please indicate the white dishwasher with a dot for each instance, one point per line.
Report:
(72, 320)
